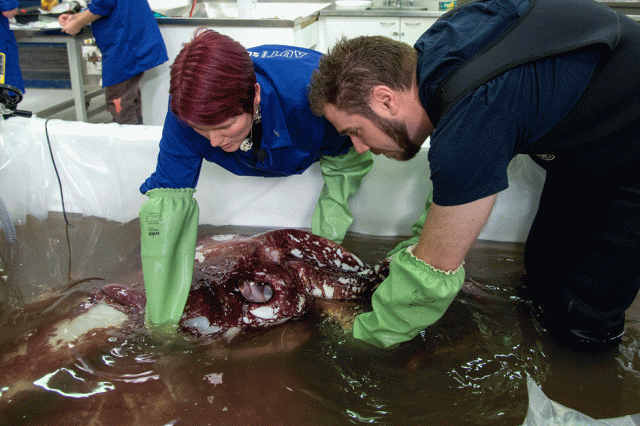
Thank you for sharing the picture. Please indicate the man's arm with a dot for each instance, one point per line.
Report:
(73, 23)
(423, 279)
(449, 232)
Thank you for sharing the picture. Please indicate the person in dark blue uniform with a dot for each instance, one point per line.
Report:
(247, 111)
(488, 81)
(8, 46)
(129, 39)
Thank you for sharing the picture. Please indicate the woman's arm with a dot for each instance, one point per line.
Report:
(10, 13)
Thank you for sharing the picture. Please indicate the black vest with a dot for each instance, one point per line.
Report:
(610, 103)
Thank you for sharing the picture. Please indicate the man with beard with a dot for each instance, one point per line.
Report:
(490, 80)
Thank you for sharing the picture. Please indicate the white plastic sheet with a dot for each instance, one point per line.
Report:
(545, 412)
(101, 167)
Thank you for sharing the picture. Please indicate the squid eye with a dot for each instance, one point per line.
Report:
(267, 291)
(256, 293)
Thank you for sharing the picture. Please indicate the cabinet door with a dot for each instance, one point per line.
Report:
(350, 27)
(412, 28)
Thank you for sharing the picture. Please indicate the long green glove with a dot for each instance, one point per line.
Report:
(416, 229)
(169, 229)
(414, 296)
(342, 176)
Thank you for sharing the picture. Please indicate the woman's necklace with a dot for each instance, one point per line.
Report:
(248, 142)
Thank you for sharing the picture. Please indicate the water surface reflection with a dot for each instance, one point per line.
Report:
(470, 368)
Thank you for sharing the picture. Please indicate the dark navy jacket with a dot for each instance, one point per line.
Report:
(293, 137)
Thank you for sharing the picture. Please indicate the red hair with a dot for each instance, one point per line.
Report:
(212, 79)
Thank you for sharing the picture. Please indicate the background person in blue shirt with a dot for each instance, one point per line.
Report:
(247, 111)
(129, 39)
(8, 45)
(573, 104)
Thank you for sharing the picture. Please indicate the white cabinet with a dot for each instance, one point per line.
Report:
(412, 28)
(404, 29)
(351, 27)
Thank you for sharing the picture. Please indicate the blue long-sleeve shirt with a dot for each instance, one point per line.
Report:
(9, 47)
(293, 137)
(128, 38)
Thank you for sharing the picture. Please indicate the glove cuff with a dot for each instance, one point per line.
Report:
(170, 192)
(410, 250)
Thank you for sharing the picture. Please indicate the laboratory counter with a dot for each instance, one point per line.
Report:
(227, 14)
(336, 9)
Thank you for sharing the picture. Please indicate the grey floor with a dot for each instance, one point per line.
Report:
(37, 100)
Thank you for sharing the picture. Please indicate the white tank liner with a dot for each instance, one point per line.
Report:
(101, 167)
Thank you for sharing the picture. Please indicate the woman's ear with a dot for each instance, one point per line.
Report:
(384, 101)
(256, 99)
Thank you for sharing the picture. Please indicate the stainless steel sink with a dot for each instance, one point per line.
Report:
(398, 5)
(229, 10)
(398, 8)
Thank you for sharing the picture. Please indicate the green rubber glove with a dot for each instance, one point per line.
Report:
(414, 296)
(169, 229)
(416, 229)
(342, 176)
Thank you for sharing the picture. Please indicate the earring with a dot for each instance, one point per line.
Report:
(248, 142)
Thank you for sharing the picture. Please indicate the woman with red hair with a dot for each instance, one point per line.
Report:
(247, 111)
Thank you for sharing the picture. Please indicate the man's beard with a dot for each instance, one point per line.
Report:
(398, 132)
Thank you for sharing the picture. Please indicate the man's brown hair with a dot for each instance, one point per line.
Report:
(353, 67)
